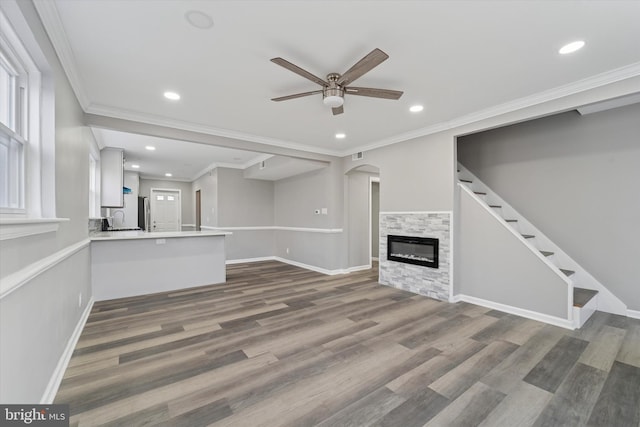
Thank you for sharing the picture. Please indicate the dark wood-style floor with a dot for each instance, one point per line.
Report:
(282, 346)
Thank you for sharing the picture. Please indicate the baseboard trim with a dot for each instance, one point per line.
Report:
(277, 227)
(245, 260)
(15, 280)
(545, 318)
(357, 268)
(634, 314)
(56, 378)
(309, 267)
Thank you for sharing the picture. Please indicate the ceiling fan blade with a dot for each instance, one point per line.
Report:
(337, 110)
(297, 95)
(366, 64)
(373, 92)
(299, 71)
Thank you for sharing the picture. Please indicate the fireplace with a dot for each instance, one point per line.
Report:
(413, 250)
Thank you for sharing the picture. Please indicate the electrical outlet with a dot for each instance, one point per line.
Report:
(287, 251)
(161, 241)
(325, 211)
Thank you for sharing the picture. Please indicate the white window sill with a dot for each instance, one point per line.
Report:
(14, 228)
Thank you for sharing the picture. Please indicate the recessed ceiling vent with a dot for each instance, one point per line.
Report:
(357, 156)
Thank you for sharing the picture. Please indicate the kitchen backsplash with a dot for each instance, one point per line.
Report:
(95, 225)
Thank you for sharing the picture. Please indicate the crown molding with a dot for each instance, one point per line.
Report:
(53, 25)
(588, 83)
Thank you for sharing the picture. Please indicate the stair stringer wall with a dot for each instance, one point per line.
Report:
(606, 300)
(496, 267)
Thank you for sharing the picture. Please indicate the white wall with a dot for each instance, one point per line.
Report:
(39, 317)
(576, 179)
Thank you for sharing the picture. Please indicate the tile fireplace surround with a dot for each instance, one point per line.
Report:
(431, 282)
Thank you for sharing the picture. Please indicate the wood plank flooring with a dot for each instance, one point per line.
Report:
(282, 346)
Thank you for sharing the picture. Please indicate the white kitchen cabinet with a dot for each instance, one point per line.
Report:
(111, 177)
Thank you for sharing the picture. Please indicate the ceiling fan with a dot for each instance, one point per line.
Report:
(335, 87)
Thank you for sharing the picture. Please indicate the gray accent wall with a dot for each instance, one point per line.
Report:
(495, 266)
(375, 219)
(208, 186)
(39, 318)
(416, 175)
(359, 220)
(576, 179)
(242, 201)
(295, 201)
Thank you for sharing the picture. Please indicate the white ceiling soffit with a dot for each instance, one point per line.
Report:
(609, 104)
(185, 161)
(465, 61)
(281, 167)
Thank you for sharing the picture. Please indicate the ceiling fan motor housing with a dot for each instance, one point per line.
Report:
(333, 95)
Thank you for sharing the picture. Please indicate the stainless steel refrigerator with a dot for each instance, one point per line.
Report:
(144, 214)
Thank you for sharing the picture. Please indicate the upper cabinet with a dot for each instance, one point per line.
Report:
(112, 177)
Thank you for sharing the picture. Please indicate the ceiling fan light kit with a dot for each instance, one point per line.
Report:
(335, 87)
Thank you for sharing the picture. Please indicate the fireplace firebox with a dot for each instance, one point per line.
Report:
(413, 250)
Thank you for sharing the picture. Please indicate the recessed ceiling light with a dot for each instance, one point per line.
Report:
(199, 19)
(135, 166)
(168, 174)
(416, 108)
(172, 96)
(150, 147)
(571, 47)
(340, 136)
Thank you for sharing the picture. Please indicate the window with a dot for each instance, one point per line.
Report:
(27, 130)
(27, 122)
(13, 130)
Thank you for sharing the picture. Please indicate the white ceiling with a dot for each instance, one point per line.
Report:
(457, 58)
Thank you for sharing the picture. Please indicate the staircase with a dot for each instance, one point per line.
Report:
(588, 293)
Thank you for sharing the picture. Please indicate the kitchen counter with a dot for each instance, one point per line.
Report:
(131, 263)
(139, 234)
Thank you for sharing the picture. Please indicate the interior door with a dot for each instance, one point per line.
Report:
(165, 210)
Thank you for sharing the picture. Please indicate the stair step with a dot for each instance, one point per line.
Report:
(480, 193)
(511, 220)
(528, 236)
(546, 253)
(467, 181)
(582, 296)
(567, 272)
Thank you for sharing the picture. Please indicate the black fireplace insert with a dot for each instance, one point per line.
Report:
(413, 250)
